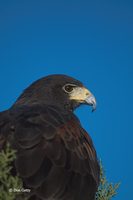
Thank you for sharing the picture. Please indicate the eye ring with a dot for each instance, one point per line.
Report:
(68, 88)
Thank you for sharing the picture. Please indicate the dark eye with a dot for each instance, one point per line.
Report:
(68, 88)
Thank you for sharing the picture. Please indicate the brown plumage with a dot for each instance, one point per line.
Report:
(55, 155)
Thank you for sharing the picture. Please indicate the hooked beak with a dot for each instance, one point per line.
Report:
(90, 100)
(83, 95)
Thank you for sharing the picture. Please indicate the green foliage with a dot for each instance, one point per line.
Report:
(106, 190)
(8, 182)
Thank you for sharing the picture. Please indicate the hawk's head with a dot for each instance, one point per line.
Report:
(58, 90)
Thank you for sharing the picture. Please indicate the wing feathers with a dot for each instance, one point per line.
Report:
(55, 156)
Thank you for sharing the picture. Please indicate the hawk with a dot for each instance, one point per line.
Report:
(55, 156)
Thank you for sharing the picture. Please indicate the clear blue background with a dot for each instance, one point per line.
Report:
(89, 40)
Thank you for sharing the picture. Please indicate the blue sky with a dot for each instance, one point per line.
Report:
(89, 40)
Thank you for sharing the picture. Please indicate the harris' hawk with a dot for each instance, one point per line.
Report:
(56, 158)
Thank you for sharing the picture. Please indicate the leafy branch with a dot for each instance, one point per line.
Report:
(106, 190)
(7, 180)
